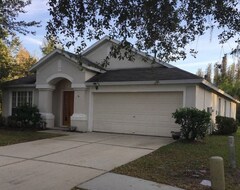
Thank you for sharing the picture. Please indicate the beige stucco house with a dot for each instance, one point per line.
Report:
(126, 97)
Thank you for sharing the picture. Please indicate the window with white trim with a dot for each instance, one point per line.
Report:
(225, 108)
(20, 98)
(230, 111)
(219, 106)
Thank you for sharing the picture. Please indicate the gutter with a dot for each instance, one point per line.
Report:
(20, 86)
(219, 91)
(184, 81)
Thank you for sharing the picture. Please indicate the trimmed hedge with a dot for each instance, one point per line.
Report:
(193, 122)
(226, 125)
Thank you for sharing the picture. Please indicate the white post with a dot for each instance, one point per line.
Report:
(79, 117)
(217, 173)
(45, 106)
(232, 155)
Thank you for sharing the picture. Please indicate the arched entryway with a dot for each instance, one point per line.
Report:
(63, 103)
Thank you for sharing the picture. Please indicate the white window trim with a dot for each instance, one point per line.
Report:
(225, 108)
(219, 106)
(230, 111)
(11, 96)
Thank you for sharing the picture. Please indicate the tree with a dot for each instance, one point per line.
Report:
(15, 60)
(200, 73)
(224, 66)
(23, 62)
(5, 61)
(9, 11)
(216, 78)
(231, 73)
(208, 75)
(49, 45)
(161, 28)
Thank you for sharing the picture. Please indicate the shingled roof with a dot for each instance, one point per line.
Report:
(143, 74)
(28, 80)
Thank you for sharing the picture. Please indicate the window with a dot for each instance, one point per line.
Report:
(219, 106)
(20, 98)
(230, 111)
(225, 108)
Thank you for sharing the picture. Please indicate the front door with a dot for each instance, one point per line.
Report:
(68, 97)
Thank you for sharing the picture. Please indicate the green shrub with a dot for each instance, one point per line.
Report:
(26, 116)
(193, 122)
(226, 125)
(12, 123)
(2, 121)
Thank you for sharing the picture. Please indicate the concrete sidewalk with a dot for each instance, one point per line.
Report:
(110, 181)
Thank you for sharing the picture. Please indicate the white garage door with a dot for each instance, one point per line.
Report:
(136, 113)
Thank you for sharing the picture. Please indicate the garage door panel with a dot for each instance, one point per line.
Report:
(162, 110)
(136, 119)
(136, 113)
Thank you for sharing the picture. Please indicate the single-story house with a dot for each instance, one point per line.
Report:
(133, 97)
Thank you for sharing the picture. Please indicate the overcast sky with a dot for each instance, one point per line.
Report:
(209, 50)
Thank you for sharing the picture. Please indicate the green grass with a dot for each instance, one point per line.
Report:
(8, 137)
(177, 163)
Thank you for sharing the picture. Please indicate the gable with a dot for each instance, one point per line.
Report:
(98, 53)
(58, 67)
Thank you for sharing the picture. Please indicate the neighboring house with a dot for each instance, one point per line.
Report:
(126, 97)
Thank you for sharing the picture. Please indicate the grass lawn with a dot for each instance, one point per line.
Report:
(185, 165)
(8, 137)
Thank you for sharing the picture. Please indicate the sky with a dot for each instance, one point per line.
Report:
(209, 50)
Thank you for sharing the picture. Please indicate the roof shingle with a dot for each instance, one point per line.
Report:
(31, 79)
(143, 74)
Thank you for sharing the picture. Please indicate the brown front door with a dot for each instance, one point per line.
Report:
(68, 97)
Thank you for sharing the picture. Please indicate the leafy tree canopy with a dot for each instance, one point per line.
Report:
(15, 60)
(49, 45)
(160, 28)
(9, 11)
(5, 60)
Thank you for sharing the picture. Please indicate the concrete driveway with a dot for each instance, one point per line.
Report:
(64, 162)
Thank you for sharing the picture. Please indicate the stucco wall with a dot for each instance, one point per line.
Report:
(205, 99)
(100, 53)
(190, 96)
(59, 67)
(6, 103)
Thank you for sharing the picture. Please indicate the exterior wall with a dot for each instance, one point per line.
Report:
(80, 117)
(59, 67)
(233, 110)
(190, 96)
(50, 82)
(206, 99)
(100, 53)
(203, 98)
(7, 99)
(89, 74)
